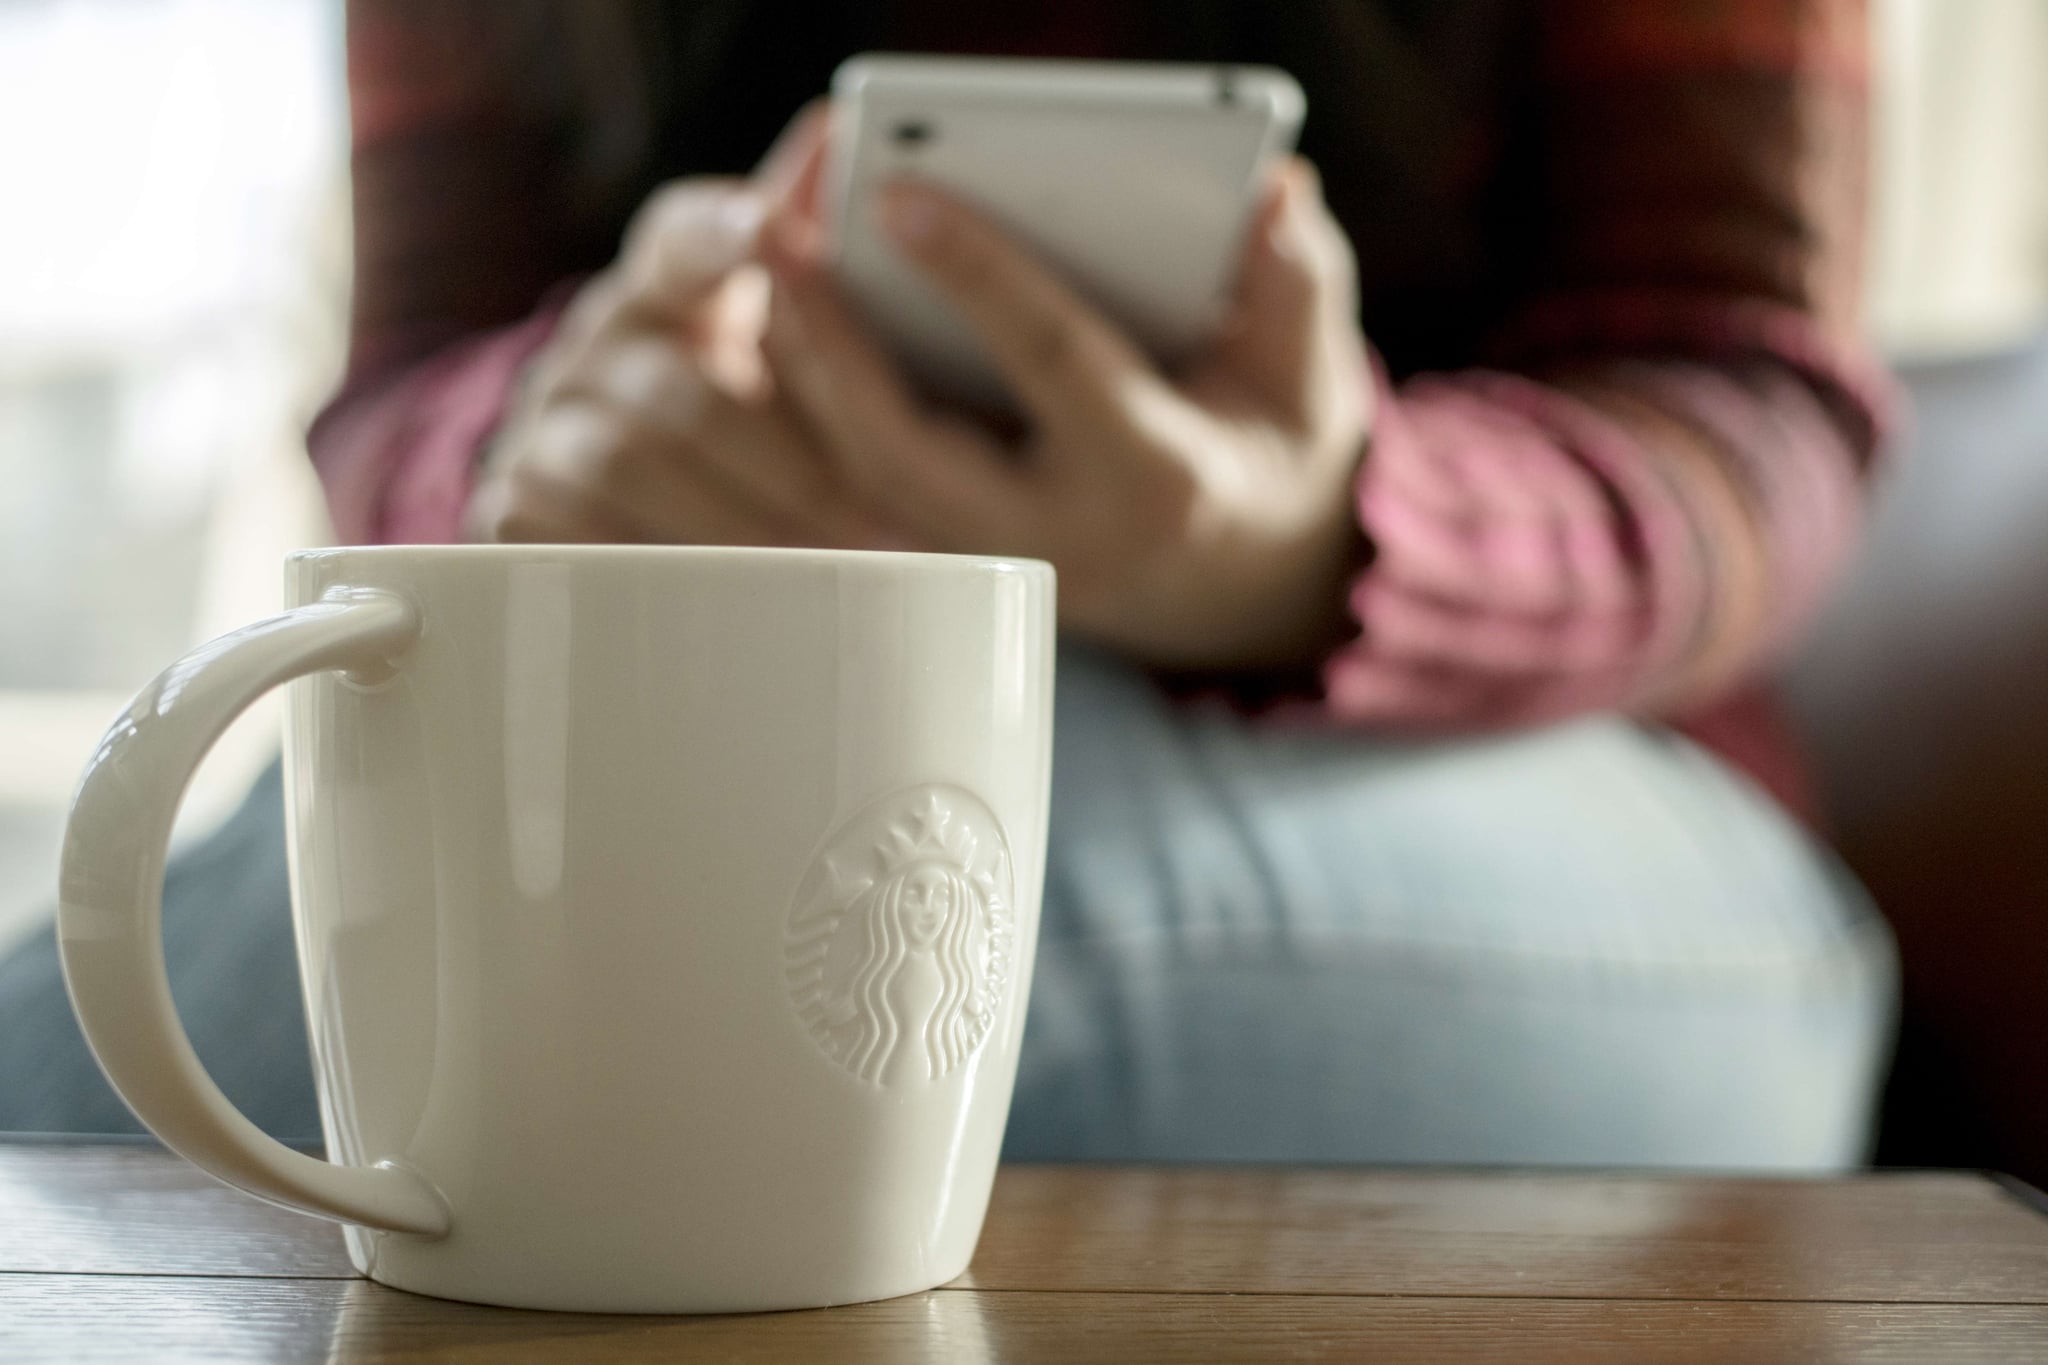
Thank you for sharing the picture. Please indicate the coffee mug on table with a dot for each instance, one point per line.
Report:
(666, 915)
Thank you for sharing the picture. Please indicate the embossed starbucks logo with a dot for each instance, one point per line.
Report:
(897, 952)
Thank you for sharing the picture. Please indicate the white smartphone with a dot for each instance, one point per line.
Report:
(1135, 181)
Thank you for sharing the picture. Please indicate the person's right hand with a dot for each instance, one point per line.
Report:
(646, 417)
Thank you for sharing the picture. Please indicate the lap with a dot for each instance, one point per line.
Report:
(1589, 943)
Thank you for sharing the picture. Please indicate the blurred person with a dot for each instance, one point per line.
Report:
(1415, 797)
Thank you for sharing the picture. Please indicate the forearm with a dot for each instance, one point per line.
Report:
(1617, 534)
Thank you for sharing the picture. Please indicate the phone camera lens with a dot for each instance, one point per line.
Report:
(913, 133)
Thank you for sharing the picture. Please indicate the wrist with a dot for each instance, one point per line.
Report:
(1243, 604)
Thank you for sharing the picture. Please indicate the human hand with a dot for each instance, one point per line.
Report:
(646, 416)
(1203, 522)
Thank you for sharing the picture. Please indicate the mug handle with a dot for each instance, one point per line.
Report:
(110, 905)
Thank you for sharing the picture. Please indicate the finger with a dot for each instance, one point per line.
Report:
(524, 507)
(1269, 331)
(751, 445)
(630, 475)
(943, 484)
(892, 456)
(794, 148)
(1323, 238)
(1067, 364)
(761, 451)
(788, 178)
(791, 176)
(665, 411)
(691, 243)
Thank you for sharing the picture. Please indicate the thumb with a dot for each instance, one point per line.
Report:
(686, 241)
(1295, 295)
(791, 176)
(694, 233)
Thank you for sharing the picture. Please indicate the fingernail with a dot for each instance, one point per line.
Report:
(912, 216)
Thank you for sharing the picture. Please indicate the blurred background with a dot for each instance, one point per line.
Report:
(173, 268)
(173, 259)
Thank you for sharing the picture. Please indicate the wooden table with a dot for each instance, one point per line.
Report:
(112, 1252)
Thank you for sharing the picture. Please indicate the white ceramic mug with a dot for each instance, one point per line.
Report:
(666, 915)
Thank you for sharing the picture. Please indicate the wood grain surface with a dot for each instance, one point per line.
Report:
(92, 1319)
(1886, 1237)
(138, 1210)
(126, 1253)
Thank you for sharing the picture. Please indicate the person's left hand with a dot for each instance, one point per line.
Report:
(1204, 522)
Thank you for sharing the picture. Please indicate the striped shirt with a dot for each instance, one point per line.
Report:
(1609, 257)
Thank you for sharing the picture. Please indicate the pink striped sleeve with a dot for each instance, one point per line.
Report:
(1522, 562)
(1626, 533)
(398, 454)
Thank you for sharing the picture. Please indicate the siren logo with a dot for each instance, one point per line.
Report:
(897, 952)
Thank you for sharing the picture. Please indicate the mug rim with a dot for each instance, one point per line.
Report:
(712, 553)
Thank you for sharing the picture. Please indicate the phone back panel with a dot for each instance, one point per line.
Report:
(1135, 182)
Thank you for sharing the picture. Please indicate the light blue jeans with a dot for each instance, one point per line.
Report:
(1589, 944)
